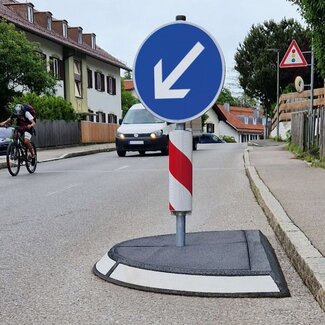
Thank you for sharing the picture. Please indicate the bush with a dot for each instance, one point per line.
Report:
(228, 139)
(48, 107)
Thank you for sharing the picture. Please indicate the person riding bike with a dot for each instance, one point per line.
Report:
(25, 122)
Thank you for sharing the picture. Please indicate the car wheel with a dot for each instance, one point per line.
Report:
(195, 144)
(121, 153)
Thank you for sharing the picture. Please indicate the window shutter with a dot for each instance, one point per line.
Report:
(61, 69)
(90, 78)
(51, 65)
(114, 86)
(102, 82)
(96, 80)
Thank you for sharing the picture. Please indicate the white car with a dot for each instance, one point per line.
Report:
(141, 131)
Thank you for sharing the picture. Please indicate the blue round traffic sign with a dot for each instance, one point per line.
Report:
(179, 72)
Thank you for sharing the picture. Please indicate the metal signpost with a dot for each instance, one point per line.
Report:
(295, 58)
(179, 72)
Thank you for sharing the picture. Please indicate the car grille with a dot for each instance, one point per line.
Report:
(140, 135)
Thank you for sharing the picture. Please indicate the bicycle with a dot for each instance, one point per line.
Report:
(17, 155)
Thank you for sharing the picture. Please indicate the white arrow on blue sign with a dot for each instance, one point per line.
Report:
(179, 72)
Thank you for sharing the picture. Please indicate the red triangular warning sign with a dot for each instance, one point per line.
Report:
(293, 57)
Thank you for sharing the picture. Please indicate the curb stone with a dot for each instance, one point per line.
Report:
(68, 155)
(306, 259)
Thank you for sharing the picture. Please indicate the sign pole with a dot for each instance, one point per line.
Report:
(311, 129)
(180, 178)
(180, 216)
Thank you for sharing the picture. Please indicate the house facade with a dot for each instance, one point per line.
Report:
(87, 76)
(241, 123)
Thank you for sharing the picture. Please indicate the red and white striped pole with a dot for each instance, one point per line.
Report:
(180, 178)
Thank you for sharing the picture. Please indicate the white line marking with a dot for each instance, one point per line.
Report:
(64, 189)
(120, 168)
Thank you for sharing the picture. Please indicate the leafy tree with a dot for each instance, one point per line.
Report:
(21, 64)
(257, 64)
(314, 13)
(127, 99)
(127, 75)
(246, 101)
(226, 97)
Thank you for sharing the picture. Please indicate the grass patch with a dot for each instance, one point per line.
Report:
(312, 156)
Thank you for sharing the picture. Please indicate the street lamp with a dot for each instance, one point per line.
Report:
(277, 89)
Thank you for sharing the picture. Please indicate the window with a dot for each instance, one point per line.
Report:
(93, 41)
(101, 118)
(210, 127)
(111, 118)
(80, 36)
(65, 30)
(77, 78)
(49, 22)
(30, 14)
(91, 115)
(111, 85)
(90, 78)
(56, 68)
(99, 81)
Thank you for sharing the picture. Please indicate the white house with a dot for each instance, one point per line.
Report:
(88, 76)
(241, 123)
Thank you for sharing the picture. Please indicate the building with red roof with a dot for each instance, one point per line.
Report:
(242, 123)
(87, 76)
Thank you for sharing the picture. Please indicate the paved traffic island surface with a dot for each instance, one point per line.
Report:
(237, 263)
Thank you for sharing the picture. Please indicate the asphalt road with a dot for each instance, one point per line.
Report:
(55, 224)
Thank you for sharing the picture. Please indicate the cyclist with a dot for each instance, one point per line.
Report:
(25, 122)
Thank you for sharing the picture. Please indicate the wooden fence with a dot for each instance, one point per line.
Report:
(97, 132)
(56, 133)
(297, 102)
(298, 121)
(300, 126)
(64, 133)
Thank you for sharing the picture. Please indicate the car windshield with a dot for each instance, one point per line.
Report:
(5, 132)
(215, 138)
(140, 116)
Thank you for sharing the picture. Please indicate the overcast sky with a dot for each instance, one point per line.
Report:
(122, 25)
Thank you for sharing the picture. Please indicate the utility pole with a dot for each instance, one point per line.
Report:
(277, 89)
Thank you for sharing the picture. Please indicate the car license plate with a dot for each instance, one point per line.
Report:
(137, 142)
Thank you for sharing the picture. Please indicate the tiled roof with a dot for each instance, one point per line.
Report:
(128, 85)
(231, 117)
(97, 53)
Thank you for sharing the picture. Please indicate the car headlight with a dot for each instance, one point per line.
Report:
(120, 135)
(156, 134)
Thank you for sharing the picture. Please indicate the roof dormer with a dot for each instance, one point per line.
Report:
(75, 33)
(43, 19)
(60, 27)
(23, 10)
(90, 40)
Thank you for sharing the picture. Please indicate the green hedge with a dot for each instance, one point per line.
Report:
(48, 107)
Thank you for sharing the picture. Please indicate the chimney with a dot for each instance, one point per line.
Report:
(226, 107)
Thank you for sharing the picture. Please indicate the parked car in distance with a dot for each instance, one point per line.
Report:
(5, 139)
(210, 138)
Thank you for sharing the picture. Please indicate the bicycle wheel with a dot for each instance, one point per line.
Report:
(31, 164)
(13, 159)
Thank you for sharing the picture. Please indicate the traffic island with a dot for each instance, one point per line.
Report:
(237, 263)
